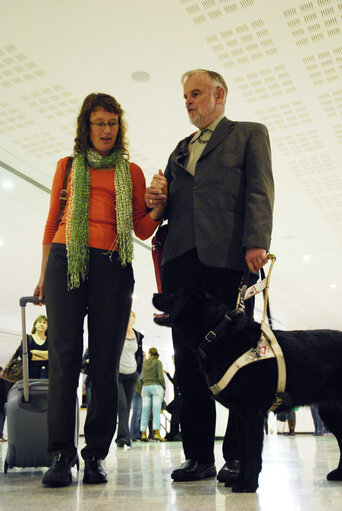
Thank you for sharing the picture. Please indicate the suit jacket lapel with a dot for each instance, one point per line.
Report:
(182, 151)
(223, 130)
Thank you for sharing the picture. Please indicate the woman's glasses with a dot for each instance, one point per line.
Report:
(102, 124)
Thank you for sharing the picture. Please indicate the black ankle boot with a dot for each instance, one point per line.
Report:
(94, 471)
(59, 473)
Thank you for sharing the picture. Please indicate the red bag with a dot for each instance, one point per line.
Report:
(158, 242)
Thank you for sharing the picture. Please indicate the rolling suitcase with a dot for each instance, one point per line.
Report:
(26, 412)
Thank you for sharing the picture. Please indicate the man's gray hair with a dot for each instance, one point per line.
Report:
(216, 78)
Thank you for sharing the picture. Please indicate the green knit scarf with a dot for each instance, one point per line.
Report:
(77, 220)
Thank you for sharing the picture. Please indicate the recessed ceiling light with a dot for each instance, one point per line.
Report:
(140, 76)
(1, 243)
(307, 257)
(333, 286)
(7, 184)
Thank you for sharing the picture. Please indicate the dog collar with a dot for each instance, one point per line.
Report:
(210, 337)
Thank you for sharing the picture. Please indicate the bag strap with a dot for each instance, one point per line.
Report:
(63, 194)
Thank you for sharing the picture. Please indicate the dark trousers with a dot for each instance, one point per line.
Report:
(2, 422)
(127, 384)
(105, 297)
(198, 415)
(319, 424)
(136, 416)
(175, 417)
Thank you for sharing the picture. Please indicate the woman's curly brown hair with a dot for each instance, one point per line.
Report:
(91, 103)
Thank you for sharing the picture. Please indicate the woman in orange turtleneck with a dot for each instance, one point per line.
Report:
(86, 270)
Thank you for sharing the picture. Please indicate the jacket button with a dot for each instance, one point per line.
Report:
(195, 187)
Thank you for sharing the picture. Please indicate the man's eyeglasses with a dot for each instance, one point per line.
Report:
(102, 124)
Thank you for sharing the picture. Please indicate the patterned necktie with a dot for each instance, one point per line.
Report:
(200, 139)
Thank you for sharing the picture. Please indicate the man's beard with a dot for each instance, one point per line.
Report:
(196, 120)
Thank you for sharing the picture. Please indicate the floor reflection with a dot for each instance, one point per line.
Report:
(293, 478)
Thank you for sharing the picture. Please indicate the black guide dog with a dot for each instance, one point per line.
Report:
(313, 364)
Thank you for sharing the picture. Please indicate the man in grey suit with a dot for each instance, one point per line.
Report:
(218, 195)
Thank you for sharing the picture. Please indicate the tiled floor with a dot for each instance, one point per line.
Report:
(293, 479)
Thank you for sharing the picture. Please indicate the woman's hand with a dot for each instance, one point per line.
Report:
(39, 290)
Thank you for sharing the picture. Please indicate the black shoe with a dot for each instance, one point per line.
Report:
(191, 470)
(229, 471)
(94, 472)
(174, 438)
(122, 443)
(59, 473)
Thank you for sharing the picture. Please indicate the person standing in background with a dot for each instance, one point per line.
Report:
(129, 371)
(174, 409)
(3, 400)
(137, 408)
(318, 423)
(85, 370)
(152, 394)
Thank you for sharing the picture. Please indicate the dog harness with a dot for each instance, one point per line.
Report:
(268, 347)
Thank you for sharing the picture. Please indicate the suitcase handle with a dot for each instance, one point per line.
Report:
(29, 299)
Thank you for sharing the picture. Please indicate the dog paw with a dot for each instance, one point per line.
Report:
(230, 481)
(335, 475)
(243, 487)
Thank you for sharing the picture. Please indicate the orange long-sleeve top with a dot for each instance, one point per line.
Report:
(102, 212)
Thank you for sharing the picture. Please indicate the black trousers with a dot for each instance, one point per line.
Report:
(106, 298)
(127, 384)
(198, 415)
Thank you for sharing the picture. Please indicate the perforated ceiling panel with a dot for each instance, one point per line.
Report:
(41, 144)
(52, 102)
(265, 84)
(313, 21)
(11, 119)
(16, 68)
(282, 61)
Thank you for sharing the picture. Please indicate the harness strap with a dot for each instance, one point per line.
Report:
(262, 352)
(266, 330)
(268, 347)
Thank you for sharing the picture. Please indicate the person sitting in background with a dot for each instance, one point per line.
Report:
(129, 370)
(37, 348)
(152, 394)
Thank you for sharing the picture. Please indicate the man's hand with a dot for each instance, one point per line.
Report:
(156, 194)
(256, 258)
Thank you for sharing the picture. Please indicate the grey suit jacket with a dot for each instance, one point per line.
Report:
(227, 205)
